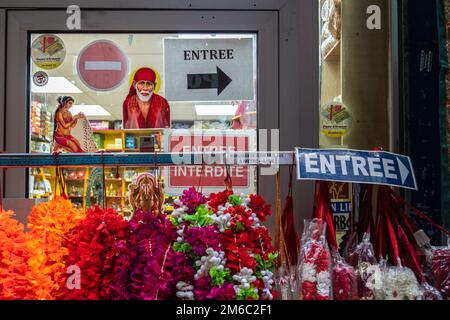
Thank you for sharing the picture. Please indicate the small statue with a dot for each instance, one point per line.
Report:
(147, 193)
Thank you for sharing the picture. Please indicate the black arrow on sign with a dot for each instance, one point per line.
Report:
(217, 80)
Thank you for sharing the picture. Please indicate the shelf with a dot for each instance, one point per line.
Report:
(105, 131)
(142, 131)
(113, 179)
(130, 131)
(138, 150)
(334, 54)
(45, 176)
(41, 139)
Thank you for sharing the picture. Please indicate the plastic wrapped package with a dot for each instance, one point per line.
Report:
(331, 24)
(440, 264)
(286, 283)
(335, 19)
(315, 265)
(400, 283)
(344, 281)
(327, 42)
(430, 293)
(368, 271)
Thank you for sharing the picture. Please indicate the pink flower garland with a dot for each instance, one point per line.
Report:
(154, 268)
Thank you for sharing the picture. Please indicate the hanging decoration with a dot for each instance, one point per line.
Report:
(148, 267)
(15, 276)
(315, 263)
(51, 224)
(230, 249)
(93, 248)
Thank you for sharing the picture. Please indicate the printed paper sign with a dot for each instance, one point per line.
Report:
(208, 69)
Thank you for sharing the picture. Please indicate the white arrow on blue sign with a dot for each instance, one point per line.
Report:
(373, 167)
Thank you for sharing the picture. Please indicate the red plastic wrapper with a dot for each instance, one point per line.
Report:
(441, 270)
(344, 281)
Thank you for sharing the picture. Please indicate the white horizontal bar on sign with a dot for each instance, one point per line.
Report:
(103, 65)
(260, 158)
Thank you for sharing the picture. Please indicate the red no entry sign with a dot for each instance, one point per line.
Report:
(102, 65)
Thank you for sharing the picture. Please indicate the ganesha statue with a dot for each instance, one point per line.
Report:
(146, 193)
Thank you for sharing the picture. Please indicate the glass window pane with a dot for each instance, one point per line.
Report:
(142, 92)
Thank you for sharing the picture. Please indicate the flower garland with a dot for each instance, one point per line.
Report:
(148, 268)
(315, 270)
(51, 224)
(14, 253)
(400, 283)
(344, 281)
(368, 272)
(223, 237)
(93, 248)
(440, 264)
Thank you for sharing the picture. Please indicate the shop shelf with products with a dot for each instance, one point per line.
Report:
(128, 140)
(41, 128)
(76, 182)
(42, 183)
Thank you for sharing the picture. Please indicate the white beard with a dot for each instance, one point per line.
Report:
(144, 98)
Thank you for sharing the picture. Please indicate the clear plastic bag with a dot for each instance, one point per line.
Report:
(369, 273)
(344, 281)
(400, 283)
(430, 293)
(286, 283)
(315, 263)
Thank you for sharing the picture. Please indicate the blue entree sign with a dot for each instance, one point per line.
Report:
(372, 167)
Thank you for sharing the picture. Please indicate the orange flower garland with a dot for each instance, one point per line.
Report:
(14, 253)
(51, 224)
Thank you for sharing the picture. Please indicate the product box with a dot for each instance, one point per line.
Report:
(147, 143)
(99, 124)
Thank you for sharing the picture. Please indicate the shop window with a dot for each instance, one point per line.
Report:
(108, 77)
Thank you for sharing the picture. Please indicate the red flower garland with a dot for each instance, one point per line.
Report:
(316, 264)
(94, 248)
(344, 282)
(441, 270)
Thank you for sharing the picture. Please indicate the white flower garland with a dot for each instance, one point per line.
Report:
(245, 278)
(212, 259)
(185, 291)
(267, 277)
